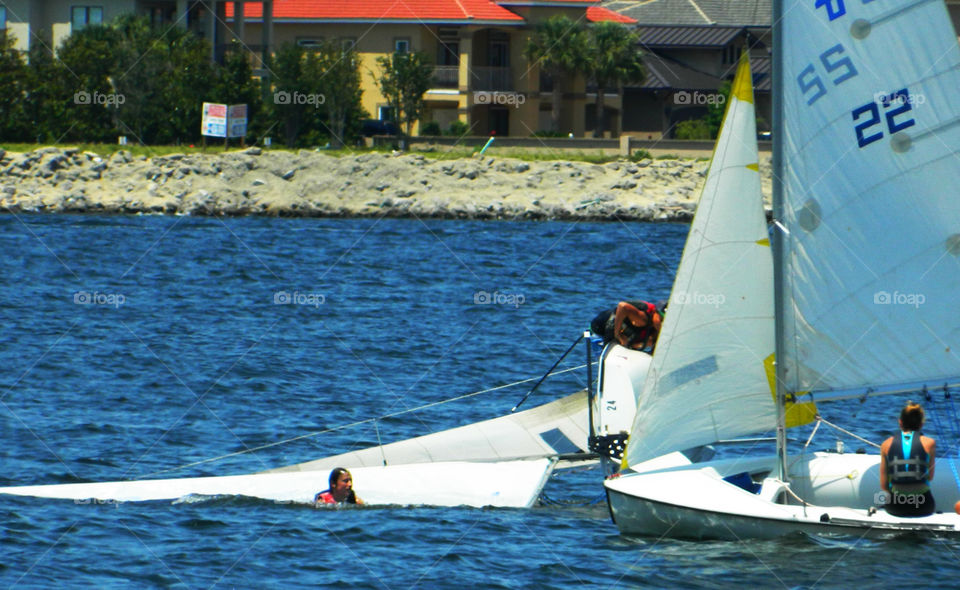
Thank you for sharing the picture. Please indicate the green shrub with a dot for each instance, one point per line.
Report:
(692, 129)
(458, 129)
(431, 128)
(641, 154)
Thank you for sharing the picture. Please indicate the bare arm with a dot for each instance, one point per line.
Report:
(884, 449)
(624, 311)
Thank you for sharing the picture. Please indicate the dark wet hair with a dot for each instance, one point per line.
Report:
(912, 416)
(335, 476)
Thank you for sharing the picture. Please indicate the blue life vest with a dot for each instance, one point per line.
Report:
(908, 471)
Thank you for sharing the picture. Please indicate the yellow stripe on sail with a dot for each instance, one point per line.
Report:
(743, 82)
(797, 414)
(754, 167)
(764, 242)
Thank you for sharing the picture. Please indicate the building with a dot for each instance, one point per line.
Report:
(691, 47)
(481, 76)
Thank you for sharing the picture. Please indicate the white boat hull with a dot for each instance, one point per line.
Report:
(694, 501)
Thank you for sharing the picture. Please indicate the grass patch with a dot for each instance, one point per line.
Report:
(532, 154)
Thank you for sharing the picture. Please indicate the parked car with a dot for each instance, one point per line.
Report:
(371, 127)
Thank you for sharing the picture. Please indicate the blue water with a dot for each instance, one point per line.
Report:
(183, 355)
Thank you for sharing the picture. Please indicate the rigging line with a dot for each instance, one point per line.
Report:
(847, 432)
(813, 433)
(352, 424)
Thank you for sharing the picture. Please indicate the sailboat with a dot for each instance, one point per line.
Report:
(501, 462)
(867, 123)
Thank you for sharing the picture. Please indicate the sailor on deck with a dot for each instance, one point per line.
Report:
(906, 466)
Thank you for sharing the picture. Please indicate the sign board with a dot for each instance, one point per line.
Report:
(237, 120)
(214, 123)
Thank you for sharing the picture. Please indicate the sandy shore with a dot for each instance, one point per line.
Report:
(307, 183)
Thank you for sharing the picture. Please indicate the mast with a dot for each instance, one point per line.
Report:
(779, 235)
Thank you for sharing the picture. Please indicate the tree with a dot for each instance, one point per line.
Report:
(614, 60)
(404, 79)
(14, 81)
(286, 67)
(50, 96)
(340, 87)
(560, 47)
(89, 59)
(236, 85)
(164, 76)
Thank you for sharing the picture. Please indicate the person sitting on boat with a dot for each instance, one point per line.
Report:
(340, 490)
(634, 324)
(906, 466)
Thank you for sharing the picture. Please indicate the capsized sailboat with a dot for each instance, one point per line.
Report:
(863, 211)
(502, 462)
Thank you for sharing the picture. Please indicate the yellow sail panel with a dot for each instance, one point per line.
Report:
(743, 82)
(797, 414)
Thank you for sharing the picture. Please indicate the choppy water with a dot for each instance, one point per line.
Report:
(184, 355)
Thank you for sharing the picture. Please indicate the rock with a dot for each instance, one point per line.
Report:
(258, 182)
(252, 151)
(288, 175)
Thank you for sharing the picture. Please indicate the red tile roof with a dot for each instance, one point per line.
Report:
(381, 10)
(599, 14)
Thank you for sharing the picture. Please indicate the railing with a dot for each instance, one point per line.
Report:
(491, 78)
(446, 76)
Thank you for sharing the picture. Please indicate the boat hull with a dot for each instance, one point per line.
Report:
(695, 502)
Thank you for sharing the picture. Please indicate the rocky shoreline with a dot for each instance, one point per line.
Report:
(313, 184)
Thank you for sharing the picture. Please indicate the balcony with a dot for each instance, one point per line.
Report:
(446, 77)
(491, 78)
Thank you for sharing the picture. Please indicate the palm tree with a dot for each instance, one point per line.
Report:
(559, 46)
(614, 60)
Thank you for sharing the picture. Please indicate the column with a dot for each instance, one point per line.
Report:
(181, 16)
(238, 21)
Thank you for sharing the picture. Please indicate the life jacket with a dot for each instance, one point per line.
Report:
(324, 497)
(907, 472)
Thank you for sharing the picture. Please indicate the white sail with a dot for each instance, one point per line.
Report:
(550, 430)
(455, 483)
(871, 268)
(707, 381)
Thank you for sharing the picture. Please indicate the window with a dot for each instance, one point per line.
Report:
(3, 17)
(401, 45)
(731, 54)
(310, 42)
(385, 114)
(448, 53)
(348, 43)
(81, 16)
